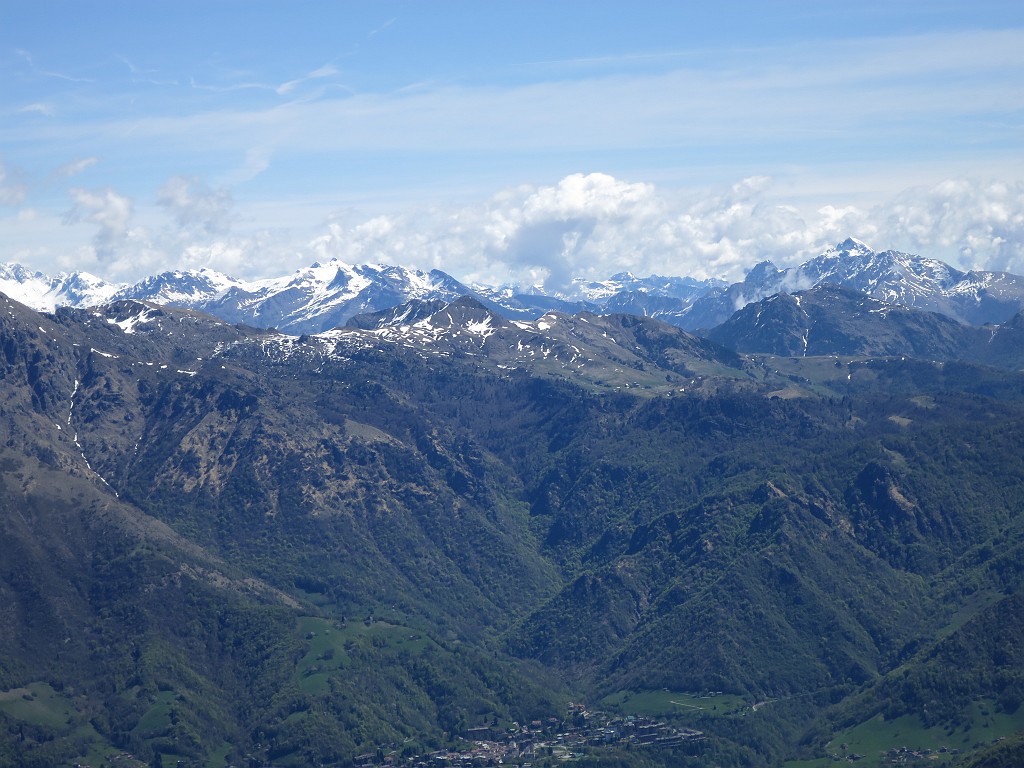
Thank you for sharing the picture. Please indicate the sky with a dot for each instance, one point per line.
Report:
(522, 142)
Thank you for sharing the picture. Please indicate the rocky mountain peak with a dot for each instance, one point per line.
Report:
(327, 295)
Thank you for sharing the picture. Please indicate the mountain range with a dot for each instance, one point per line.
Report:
(325, 296)
(797, 534)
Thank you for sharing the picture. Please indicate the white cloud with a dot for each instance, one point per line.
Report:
(109, 211)
(12, 193)
(257, 160)
(287, 88)
(48, 73)
(586, 225)
(196, 207)
(982, 222)
(556, 228)
(76, 167)
(595, 225)
(243, 86)
(589, 225)
(224, 256)
(883, 91)
(37, 108)
(328, 70)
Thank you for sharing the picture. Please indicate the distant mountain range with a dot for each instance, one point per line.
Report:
(828, 320)
(890, 276)
(325, 296)
(797, 533)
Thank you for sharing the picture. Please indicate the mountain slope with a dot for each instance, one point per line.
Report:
(832, 321)
(127, 405)
(828, 320)
(303, 549)
(606, 351)
(45, 293)
(896, 278)
(325, 296)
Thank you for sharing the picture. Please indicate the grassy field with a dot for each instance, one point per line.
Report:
(675, 704)
(876, 738)
(157, 718)
(328, 643)
(38, 704)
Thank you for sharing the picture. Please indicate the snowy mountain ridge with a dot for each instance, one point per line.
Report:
(891, 276)
(325, 296)
(44, 293)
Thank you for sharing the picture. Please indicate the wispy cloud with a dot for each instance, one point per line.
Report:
(12, 193)
(142, 75)
(38, 108)
(886, 93)
(245, 86)
(195, 206)
(287, 88)
(257, 160)
(328, 70)
(896, 140)
(76, 167)
(377, 30)
(50, 73)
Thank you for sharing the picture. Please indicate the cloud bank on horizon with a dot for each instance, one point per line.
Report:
(527, 144)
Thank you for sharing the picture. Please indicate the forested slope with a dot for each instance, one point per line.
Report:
(227, 545)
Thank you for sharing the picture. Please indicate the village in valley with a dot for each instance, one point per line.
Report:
(582, 730)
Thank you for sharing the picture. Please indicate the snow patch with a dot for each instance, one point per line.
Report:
(129, 324)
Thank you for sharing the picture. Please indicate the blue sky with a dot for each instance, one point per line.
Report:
(518, 141)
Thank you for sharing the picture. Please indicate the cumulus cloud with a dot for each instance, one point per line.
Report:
(557, 228)
(595, 225)
(591, 225)
(109, 211)
(982, 222)
(585, 225)
(721, 234)
(526, 235)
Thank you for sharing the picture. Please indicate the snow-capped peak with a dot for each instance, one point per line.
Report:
(326, 294)
(44, 294)
(852, 245)
(179, 287)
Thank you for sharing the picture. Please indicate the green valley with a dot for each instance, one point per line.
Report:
(231, 547)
